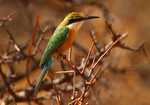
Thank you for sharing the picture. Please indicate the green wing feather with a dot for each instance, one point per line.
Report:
(55, 41)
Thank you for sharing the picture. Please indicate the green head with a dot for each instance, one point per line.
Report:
(74, 17)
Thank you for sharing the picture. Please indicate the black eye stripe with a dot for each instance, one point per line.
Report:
(74, 18)
(73, 21)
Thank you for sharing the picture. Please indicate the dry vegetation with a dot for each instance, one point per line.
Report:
(108, 63)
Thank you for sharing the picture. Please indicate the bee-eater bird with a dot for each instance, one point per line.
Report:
(62, 38)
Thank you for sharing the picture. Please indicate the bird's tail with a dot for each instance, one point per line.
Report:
(46, 67)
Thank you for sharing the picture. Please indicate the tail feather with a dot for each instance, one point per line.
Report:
(46, 67)
(39, 82)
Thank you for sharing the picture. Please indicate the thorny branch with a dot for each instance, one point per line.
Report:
(116, 35)
(30, 48)
(8, 18)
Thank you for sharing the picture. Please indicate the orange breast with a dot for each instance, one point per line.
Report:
(71, 36)
(73, 29)
(67, 44)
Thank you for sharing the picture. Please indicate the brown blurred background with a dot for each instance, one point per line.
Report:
(128, 84)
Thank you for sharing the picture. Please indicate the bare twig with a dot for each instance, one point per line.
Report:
(70, 50)
(8, 18)
(92, 33)
(105, 53)
(119, 44)
(59, 103)
(74, 68)
(12, 40)
(85, 92)
(74, 75)
(92, 80)
(7, 84)
(87, 57)
(132, 49)
(63, 72)
(30, 49)
(91, 70)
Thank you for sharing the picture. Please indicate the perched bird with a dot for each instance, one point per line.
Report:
(62, 38)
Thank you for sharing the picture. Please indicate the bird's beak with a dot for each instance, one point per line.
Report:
(83, 18)
(88, 17)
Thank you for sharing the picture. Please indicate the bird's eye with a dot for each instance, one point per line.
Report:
(74, 19)
(71, 21)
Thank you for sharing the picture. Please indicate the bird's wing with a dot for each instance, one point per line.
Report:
(55, 41)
